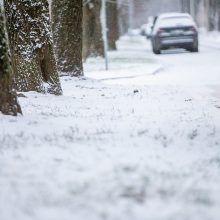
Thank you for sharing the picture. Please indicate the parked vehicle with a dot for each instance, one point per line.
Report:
(174, 30)
(143, 29)
(146, 29)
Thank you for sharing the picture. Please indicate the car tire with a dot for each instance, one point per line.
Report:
(156, 51)
(195, 47)
(155, 48)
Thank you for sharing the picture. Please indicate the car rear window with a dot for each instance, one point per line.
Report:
(175, 21)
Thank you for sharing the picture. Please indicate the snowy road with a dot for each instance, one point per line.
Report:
(127, 144)
(180, 67)
(190, 69)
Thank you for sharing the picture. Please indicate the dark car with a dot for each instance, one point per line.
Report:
(174, 30)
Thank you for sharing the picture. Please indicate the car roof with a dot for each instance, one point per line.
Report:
(173, 14)
(163, 20)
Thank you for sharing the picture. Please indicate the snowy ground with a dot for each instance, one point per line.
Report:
(141, 141)
(211, 39)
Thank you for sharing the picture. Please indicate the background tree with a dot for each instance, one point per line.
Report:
(218, 6)
(67, 33)
(185, 5)
(92, 30)
(122, 17)
(32, 46)
(211, 15)
(8, 99)
(205, 12)
(112, 24)
(214, 14)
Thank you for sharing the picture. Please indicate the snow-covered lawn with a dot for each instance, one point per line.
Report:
(123, 144)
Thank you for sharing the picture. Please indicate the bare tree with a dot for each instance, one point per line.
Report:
(32, 46)
(67, 32)
(8, 100)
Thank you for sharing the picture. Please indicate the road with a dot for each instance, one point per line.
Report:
(189, 69)
(198, 72)
(179, 67)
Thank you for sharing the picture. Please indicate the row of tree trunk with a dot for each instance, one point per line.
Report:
(38, 57)
(206, 12)
(93, 44)
(214, 15)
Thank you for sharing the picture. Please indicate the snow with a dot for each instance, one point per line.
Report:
(141, 141)
(210, 39)
(176, 22)
(173, 15)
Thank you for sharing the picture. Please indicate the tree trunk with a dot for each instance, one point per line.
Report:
(32, 46)
(87, 32)
(123, 19)
(185, 5)
(67, 33)
(211, 15)
(206, 13)
(219, 15)
(112, 24)
(92, 30)
(8, 100)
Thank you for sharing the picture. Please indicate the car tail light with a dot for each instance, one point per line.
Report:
(193, 29)
(160, 31)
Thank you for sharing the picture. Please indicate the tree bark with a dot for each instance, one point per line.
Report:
(92, 30)
(123, 19)
(185, 6)
(67, 33)
(112, 24)
(206, 13)
(32, 46)
(219, 15)
(211, 15)
(8, 100)
(87, 32)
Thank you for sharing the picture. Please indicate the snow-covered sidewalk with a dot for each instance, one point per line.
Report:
(111, 151)
(130, 61)
(210, 39)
